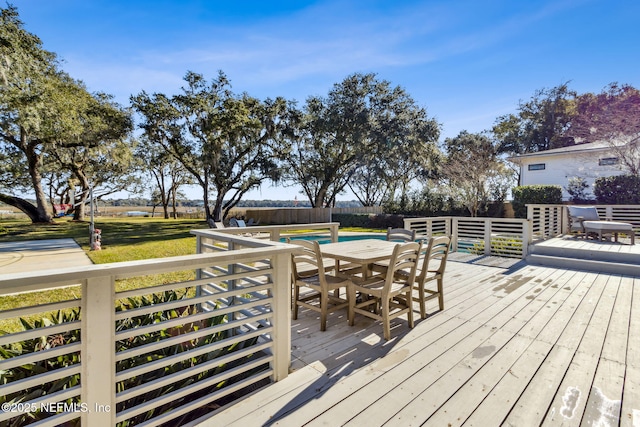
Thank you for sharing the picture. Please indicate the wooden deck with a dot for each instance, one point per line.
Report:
(520, 346)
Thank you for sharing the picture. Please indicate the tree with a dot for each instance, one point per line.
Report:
(168, 175)
(223, 140)
(540, 123)
(29, 78)
(46, 115)
(474, 171)
(613, 116)
(355, 136)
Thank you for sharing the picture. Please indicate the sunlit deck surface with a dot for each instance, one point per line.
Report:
(520, 346)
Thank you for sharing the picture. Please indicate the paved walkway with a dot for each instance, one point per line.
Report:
(18, 257)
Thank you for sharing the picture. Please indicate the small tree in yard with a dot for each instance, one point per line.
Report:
(474, 172)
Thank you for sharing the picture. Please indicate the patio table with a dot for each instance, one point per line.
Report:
(362, 252)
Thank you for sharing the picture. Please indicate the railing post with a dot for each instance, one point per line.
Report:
(281, 316)
(454, 233)
(527, 236)
(98, 352)
(334, 232)
(609, 212)
(487, 236)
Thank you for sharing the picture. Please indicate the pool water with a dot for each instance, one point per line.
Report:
(326, 239)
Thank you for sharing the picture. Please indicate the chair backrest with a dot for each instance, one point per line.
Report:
(400, 235)
(310, 257)
(241, 223)
(587, 213)
(405, 257)
(435, 256)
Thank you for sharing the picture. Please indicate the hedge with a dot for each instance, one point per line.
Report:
(534, 194)
(617, 190)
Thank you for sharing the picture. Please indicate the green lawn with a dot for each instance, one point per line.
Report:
(125, 239)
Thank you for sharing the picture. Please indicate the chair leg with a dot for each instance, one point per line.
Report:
(440, 294)
(296, 296)
(410, 304)
(386, 325)
(423, 309)
(324, 302)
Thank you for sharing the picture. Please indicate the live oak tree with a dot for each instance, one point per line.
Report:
(540, 123)
(28, 77)
(223, 140)
(161, 124)
(364, 133)
(47, 116)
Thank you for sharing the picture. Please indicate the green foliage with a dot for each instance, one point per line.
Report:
(47, 342)
(352, 220)
(577, 189)
(534, 194)
(617, 190)
(500, 246)
(539, 124)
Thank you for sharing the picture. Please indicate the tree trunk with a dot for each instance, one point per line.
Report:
(25, 206)
(44, 214)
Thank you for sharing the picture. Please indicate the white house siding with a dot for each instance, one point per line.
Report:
(564, 164)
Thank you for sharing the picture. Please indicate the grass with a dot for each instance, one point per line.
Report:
(125, 239)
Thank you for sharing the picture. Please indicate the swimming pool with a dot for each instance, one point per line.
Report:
(347, 238)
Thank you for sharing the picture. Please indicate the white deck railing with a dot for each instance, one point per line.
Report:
(552, 220)
(113, 365)
(483, 236)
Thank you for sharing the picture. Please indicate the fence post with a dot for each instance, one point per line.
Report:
(281, 316)
(487, 236)
(454, 233)
(98, 371)
(527, 236)
(334, 232)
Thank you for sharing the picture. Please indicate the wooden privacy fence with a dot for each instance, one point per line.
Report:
(304, 215)
(505, 237)
(222, 326)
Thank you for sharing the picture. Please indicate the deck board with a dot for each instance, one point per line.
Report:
(520, 345)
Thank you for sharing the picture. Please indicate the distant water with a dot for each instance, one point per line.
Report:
(325, 239)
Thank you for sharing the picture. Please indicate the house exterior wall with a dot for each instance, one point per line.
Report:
(560, 167)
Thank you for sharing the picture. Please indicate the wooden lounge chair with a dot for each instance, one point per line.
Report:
(585, 220)
(324, 288)
(385, 298)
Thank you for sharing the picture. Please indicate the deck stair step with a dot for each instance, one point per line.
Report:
(590, 259)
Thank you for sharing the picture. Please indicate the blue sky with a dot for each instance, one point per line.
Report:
(466, 61)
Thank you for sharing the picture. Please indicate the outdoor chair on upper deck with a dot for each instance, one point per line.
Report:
(385, 298)
(579, 214)
(325, 288)
(585, 220)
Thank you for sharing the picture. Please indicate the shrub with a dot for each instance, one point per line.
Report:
(352, 220)
(534, 194)
(47, 342)
(617, 190)
(577, 189)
